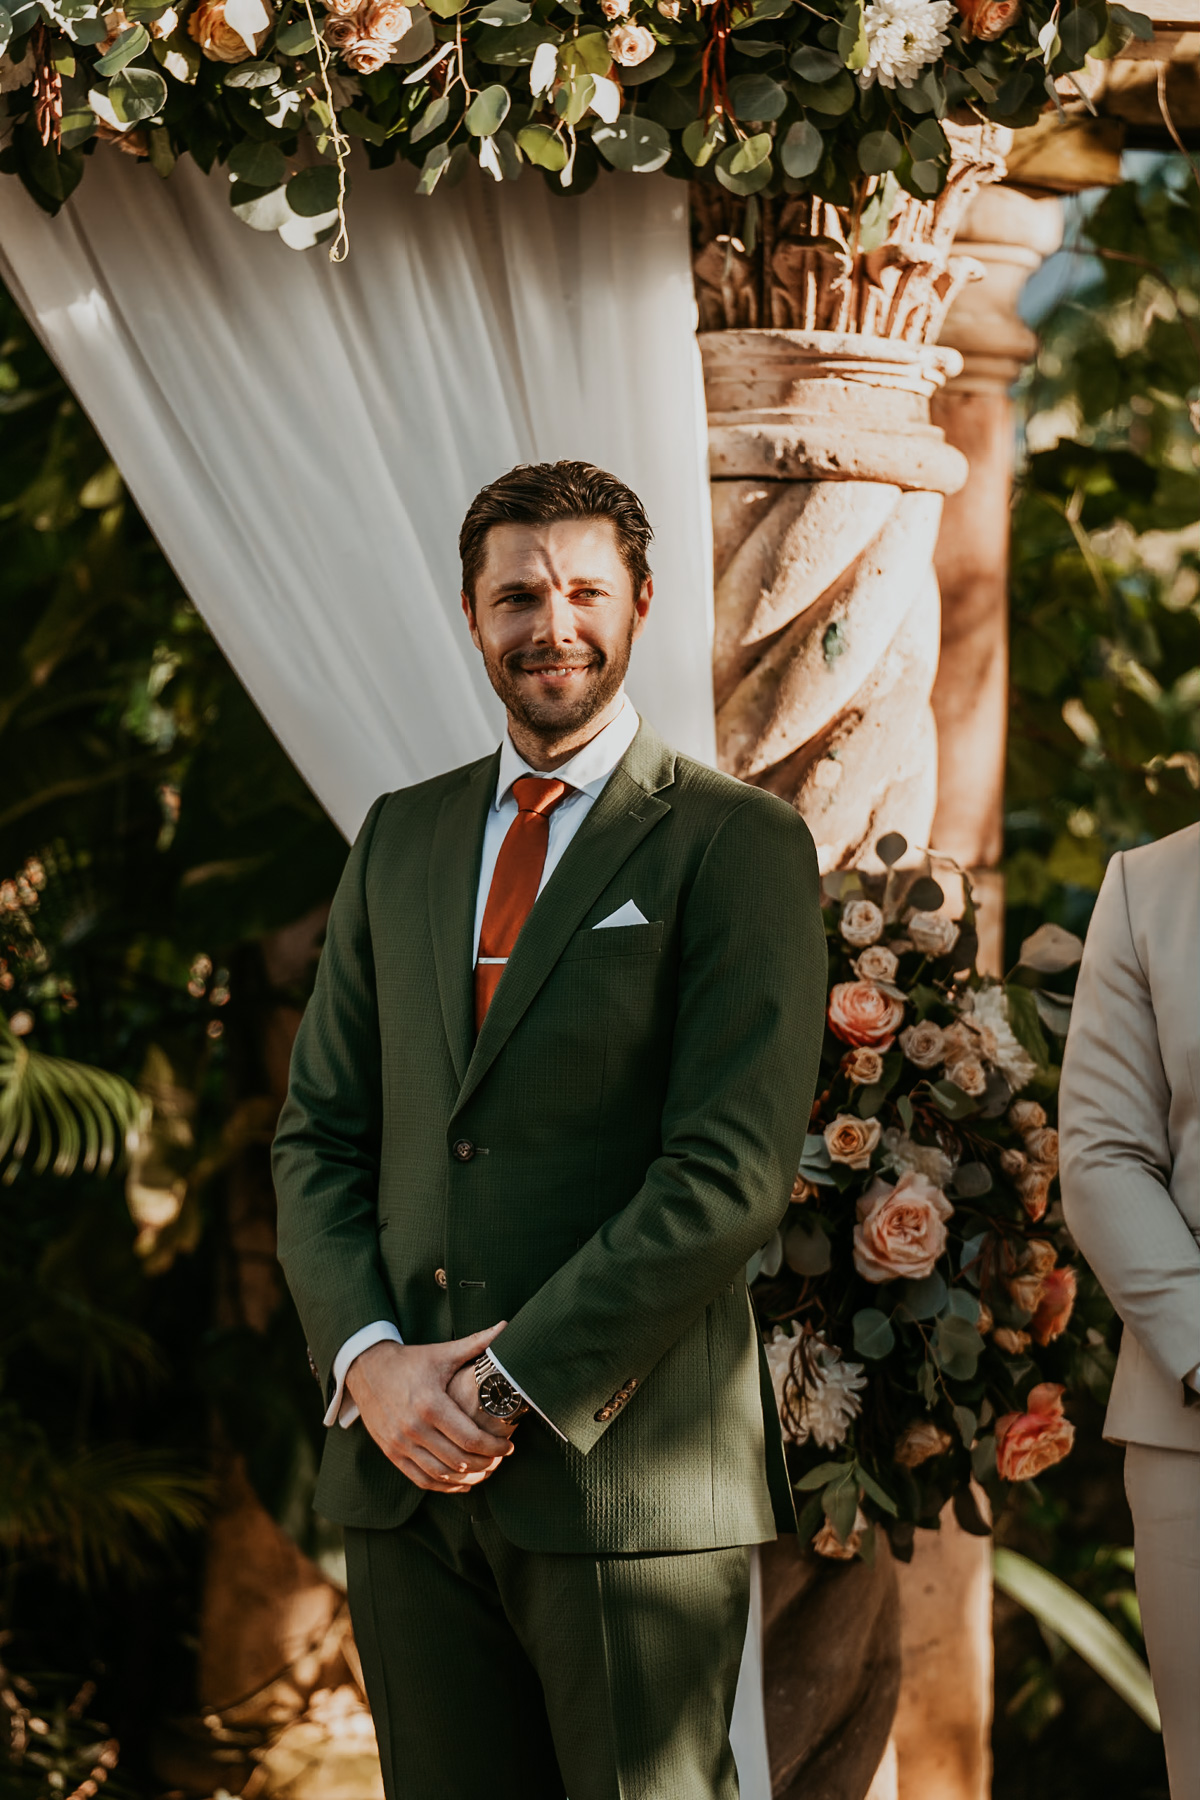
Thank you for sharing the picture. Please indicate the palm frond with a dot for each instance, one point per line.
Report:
(75, 1115)
(92, 1513)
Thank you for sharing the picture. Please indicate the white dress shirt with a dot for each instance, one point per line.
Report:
(586, 775)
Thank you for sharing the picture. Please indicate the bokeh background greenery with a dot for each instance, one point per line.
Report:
(154, 841)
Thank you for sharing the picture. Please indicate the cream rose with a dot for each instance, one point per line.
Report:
(876, 964)
(218, 40)
(1055, 1306)
(802, 1190)
(1029, 1442)
(614, 9)
(1011, 1342)
(1013, 1162)
(968, 1074)
(367, 55)
(828, 1543)
(386, 20)
(919, 1442)
(859, 1013)
(851, 1141)
(861, 923)
(630, 45)
(340, 34)
(901, 1230)
(932, 933)
(1042, 1145)
(863, 1067)
(985, 1321)
(1026, 1115)
(924, 1044)
(960, 1041)
(342, 9)
(1033, 1185)
(669, 8)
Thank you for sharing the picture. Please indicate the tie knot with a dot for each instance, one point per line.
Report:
(538, 793)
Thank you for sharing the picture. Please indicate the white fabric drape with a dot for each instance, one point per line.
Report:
(304, 439)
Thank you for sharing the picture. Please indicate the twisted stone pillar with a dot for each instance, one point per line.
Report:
(827, 487)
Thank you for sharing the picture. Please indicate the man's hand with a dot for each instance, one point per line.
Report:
(464, 1390)
(434, 1439)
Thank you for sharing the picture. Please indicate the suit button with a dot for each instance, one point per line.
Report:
(604, 1415)
(439, 1275)
(464, 1149)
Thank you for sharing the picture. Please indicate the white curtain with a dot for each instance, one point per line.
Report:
(304, 439)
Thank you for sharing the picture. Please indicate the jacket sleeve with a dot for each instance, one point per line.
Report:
(744, 1062)
(326, 1154)
(1116, 1158)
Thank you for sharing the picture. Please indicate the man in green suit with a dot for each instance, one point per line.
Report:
(548, 1098)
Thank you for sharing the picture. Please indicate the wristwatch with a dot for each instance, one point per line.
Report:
(497, 1395)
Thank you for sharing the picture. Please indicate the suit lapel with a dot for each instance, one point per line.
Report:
(629, 806)
(453, 882)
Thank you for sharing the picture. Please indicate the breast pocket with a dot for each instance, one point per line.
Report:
(614, 941)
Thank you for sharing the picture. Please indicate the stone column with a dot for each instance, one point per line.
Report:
(1008, 234)
(942, 1729)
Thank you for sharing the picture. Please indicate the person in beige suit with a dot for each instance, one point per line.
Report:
(1130, 1123)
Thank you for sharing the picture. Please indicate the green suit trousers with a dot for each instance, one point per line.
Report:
(531, 1675)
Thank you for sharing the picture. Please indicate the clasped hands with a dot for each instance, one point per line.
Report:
(420, 1403)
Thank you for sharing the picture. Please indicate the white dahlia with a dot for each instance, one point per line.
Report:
(909, 1158)
(903, 37)
(829, 1400)
(996, 1039)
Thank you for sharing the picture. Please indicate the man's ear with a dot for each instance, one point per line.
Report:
(468, 606)
(641, 605)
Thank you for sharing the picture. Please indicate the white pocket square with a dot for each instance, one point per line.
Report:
(629, 914)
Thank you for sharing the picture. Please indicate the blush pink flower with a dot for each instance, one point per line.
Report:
(901, 1230)
(1029, 1442)
(861, 1014)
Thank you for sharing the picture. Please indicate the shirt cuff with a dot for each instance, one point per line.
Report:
(525, 1397)
(343, 1408)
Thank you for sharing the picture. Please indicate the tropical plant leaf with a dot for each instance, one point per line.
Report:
(1079, 1624)
(69, 1113)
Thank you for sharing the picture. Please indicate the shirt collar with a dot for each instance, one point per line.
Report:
(588, 769)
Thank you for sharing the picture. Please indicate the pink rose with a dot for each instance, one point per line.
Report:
(861, 923)
(366, 56)
(340, 33)
(386, 20)
(877, 963)
(1028, 1442)
(859, 1013)
(631, 45)
(863, 1067)
(1055, 1306)
(1042, 1146)
(901, 1230)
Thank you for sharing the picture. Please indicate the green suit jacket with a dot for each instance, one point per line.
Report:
(596, 1167)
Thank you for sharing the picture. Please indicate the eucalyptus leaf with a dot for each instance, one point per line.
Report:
(874, 1337)
(957, 1347)
(879, 1495)
(925, 894)
(966, 1424)
(801, 150)
(951, 1099)
(923, 1299)
(313, 191)
(253, 75)
(963, 1305)
(435, 114)
(806, 1248)
(822, 1475)
(258, 165)
(755, 97)
(1054, 1010)
(890, 848)
(812, 63)
(6, 29)
(543, 147)
(840, 1501)
(927, 176)
(262, 211)
(504, 12)
(131, 42)
(971, 1180)
(745, 168)
(873, 228)
(488, 110)
(1050, 949)
(1078, 30)
(659, 64)
(296, 39)
(136, 94)
(852, 38)
(879, 151)
(1137, 23)
(702, 140)
(928, 143)
(418, 40)
(833, 97)
(634, 144)
(572, 99)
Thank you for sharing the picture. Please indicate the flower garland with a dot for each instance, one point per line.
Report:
(844, 99)
(918, 1304)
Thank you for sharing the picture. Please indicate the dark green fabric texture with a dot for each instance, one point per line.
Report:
(526, 1675)
(636, 1102)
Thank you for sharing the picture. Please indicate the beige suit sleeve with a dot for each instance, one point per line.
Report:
(1116, 1159)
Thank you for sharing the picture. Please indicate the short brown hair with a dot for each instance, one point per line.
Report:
(544, 493)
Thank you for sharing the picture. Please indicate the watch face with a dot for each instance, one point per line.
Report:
(499, 1397)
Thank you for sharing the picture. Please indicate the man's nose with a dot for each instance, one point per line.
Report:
(555, 620)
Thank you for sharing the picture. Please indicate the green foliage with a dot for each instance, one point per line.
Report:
(823, 94)
(68, 1109)
(1104, 745)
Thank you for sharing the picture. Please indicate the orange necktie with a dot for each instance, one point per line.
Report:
(515, 882)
